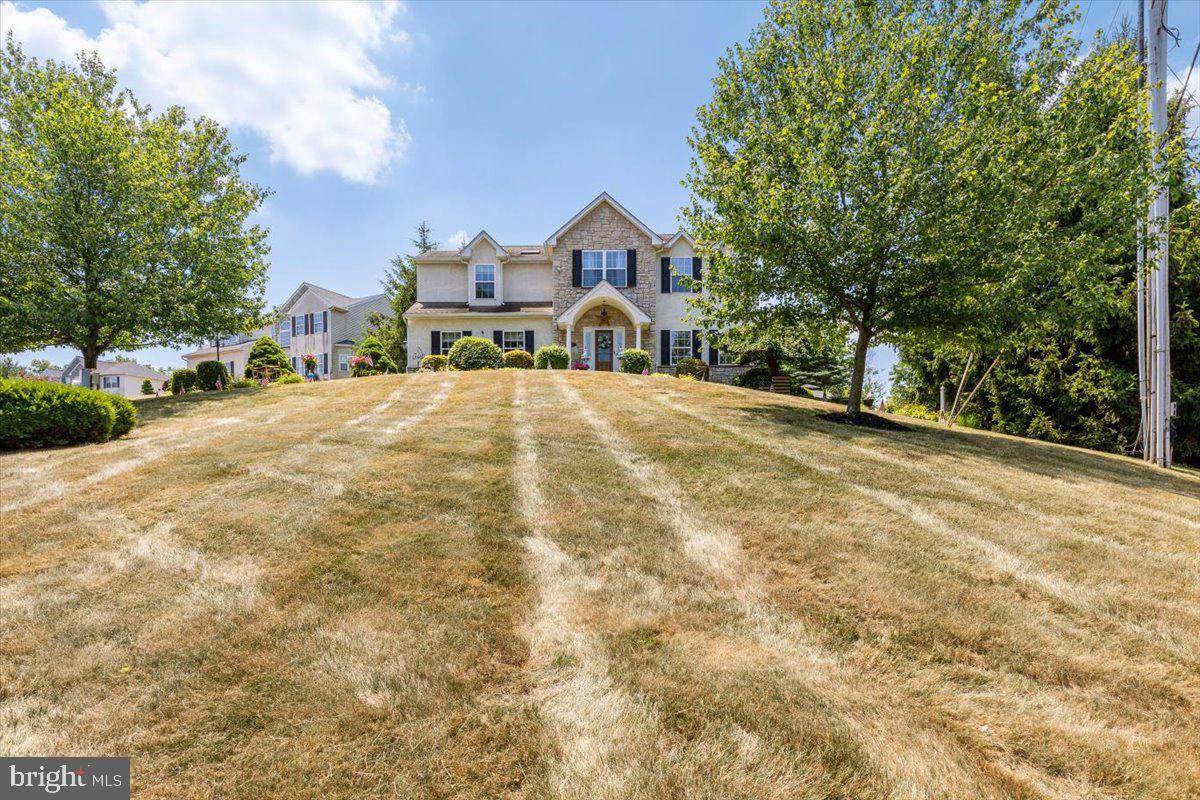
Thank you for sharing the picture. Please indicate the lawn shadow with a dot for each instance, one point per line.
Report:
(1043, 458)
(169, 406)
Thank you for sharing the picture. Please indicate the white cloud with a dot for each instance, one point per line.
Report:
(458, 239)
(300, 75)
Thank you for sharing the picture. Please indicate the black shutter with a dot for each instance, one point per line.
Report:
(631, 267)
(712, 349)
(308, 327)
(695, 343)
(665, 361)
(665, 279)
(577, 268)
(498, 338)
(528, 341)
(435, 343)
(325, 366)
(466, 333)
(293, 319)
(697, 269)
(325, 321)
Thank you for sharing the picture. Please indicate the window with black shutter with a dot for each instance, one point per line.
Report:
(664, 279)
(577, 268)
(631, 267)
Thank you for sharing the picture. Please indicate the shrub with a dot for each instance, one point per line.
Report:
(243, 383)
(182, 380)
(124, 415)
(754, 378)
(796, 387)
(434, 363)
(266, 353)
(147, 387)
(636, 361)
(583, 365)
(691, 368)
(209, 372)
(518, 359)
(914, 410)
(475, 352)
(40, 413)
(287, 377)
(380, 362)
(551, 356)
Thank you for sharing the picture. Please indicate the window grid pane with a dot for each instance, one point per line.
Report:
(680, 268)
(448, 339)
(681, 345)
(514, 340)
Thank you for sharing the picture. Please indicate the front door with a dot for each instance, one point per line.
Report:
(604, 351)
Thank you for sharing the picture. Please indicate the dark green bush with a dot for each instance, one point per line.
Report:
(40, 413)
(691, 368)
(552, 356)
(635, 361)
(266, 354)
(182, 380)
(124, 415)
(381, 362)
(147, 387)
(518, 359)
(474, 352)
(209, 372)
(434, 363)
(753, 378)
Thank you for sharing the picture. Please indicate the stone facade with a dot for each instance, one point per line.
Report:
(605, 229)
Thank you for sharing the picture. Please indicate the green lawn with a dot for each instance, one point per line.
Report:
(536, 584)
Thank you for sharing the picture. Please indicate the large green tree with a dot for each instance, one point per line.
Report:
(400, 284)
(119, 228)
(899, 166)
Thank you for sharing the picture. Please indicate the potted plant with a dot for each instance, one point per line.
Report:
(310, 366)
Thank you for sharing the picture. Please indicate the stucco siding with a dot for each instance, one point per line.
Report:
(420, 330)
(442, 283)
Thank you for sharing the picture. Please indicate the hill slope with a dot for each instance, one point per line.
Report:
(579, 585)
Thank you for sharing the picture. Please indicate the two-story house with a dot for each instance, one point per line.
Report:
(312, 320)
(602, 282)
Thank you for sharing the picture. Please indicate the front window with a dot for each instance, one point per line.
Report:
(285, 332)
(300, 320)
(609, 265)
(726, 358)
(322, 364)
(344, 362)
(681, 272)
(681, 345)
(229, 369)
(318, 322)
(485, 281)
(110, 382)
(448, 340)
(514, 340)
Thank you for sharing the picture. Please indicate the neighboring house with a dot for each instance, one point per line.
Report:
(118, 377)
(602, 282)
(313, 320)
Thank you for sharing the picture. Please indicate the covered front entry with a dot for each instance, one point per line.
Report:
(609, 322)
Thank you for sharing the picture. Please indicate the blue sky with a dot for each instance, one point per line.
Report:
(365, 120)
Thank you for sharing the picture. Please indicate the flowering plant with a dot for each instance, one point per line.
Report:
(364, 360)
(310, 362)
(579, 365)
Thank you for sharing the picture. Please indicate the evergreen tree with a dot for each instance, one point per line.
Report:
(266, 356)
(400, 284)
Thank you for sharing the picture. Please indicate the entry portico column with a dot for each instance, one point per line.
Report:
(638, 336)
(569, 357)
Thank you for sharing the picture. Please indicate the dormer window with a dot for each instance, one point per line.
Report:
(609, 265)
(485, 281)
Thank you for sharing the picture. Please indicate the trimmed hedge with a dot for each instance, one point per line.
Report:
(552, 356)
(434, 362)
(287, 377)
(182, 380)
(209, 372)
(40, 413)
(691, 368)
(635, 361)
(147, 387)
(474, 352)
(518, 359)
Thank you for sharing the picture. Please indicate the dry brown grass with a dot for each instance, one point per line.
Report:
(596, 586)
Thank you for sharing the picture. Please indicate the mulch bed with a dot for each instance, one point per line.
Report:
(864, 420)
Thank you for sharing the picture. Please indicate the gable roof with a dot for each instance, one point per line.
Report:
(604, 292)
(482, 236)
(670, 239)
(334, 299)
(605, 197)
(113, 368)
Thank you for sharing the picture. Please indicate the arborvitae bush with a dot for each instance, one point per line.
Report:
(209, 372)
(182, 380)
(266, 352)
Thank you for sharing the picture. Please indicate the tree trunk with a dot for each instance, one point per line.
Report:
(854, 404)
(772, 365)
(91, 356)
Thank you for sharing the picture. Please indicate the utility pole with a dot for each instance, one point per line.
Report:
(1157, 446)
(1142, 365)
